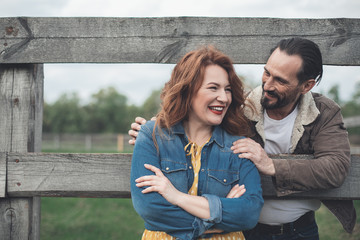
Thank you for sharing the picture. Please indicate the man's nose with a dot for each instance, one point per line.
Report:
(268, 84)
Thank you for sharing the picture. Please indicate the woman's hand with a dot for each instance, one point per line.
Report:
(158, 183)
(237, 191)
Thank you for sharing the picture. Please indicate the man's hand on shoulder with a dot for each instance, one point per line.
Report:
(248, 148)
(135, 128)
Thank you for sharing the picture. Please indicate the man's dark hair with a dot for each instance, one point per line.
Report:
(310, 54)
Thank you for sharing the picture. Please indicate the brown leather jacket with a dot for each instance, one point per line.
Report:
(318, 130)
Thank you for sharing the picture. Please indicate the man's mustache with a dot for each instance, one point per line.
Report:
(271, 93)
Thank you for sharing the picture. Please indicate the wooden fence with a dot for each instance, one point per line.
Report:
(86, 142)
(27, 43)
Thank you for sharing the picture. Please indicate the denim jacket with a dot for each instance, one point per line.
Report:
(220, 171)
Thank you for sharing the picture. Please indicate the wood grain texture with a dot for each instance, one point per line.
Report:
(75, 175)
(352, 121)
(2, 174)
(165, 40)
(108, 175)
(21, 89)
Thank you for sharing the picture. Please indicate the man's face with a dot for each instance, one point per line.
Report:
(280, 84)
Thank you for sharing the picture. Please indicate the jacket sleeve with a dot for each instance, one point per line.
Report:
(158, 214)
(327, 140)
(242, 213)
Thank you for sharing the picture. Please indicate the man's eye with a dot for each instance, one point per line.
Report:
(281, 81)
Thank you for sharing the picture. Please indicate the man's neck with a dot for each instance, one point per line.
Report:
(280, 113)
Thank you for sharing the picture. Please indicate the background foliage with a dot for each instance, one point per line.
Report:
(109, 112)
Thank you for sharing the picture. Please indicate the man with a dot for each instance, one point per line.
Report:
(288, 118)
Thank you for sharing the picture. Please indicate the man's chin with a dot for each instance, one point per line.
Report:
(268, 104)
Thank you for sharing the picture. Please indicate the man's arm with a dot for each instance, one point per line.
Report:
(327, 141)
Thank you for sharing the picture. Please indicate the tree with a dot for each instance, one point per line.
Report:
(107, 112)
(66, 115)
(151, 105)
(352, 108)
(334, 94)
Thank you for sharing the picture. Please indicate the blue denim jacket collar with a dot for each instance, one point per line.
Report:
(217, 135)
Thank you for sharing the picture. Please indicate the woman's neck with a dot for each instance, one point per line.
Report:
(197, 133)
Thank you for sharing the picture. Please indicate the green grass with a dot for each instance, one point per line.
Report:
(331, 229)
(90, 219)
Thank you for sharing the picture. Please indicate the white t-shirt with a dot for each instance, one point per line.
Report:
(277, 141)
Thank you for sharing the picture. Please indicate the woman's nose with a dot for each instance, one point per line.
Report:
(223, 96)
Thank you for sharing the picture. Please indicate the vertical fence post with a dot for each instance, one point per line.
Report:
(21, 110)
(120, 142)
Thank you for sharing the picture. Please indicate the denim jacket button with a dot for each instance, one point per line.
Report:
(202, 170)
(190, 167)
(224, 180)
(167, 168)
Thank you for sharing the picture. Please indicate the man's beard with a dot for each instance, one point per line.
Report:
(280, 102)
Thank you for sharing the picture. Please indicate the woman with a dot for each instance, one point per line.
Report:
(185, 181)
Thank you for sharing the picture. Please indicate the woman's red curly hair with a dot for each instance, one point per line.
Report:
(185, 81)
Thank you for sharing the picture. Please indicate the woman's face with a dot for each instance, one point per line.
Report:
(210, 103)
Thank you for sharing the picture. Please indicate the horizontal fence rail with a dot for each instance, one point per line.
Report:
(108, 175)
(164, 40)
(352, 121)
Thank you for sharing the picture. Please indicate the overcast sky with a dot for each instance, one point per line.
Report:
(128, 79)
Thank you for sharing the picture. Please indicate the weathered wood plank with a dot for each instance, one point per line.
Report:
(164, 40)
(21, 104)
(21, 100)
(15, 218)
(75, 175)
(2, 175)
(352, 121)
(108, 175)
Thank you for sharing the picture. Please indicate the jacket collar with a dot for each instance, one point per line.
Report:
(307, 114)
(217, 134)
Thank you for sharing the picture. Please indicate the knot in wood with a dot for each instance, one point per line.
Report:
(10, 215)
(16, 101)
(11, 31)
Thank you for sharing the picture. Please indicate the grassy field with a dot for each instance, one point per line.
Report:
(94, 219)
(89, 219)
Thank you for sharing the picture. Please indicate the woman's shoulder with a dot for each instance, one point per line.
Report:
(229, 138)
(150, 127)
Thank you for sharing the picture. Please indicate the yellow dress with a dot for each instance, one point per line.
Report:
(195, 152)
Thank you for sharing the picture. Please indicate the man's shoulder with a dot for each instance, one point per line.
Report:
(324, 103)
